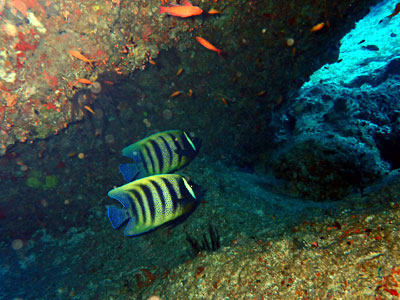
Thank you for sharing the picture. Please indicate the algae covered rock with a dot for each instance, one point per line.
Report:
(33, 182)
(51, 182)
(38, 180)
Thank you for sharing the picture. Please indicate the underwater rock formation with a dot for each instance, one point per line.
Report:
(335, 138)
(341, 132)
(56, 56)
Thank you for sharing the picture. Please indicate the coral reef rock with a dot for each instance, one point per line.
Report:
(341, 131)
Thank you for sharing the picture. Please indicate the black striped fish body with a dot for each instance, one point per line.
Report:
(160, 153)
(150, 202)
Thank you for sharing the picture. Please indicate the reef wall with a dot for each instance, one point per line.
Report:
(55, 56)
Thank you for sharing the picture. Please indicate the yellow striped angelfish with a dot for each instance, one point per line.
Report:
(160, 153)
(151, 202)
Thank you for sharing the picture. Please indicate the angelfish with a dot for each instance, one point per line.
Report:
(151, 202)
(160, 153)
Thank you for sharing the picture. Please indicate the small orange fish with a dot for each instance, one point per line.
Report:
(81, 57)
(262, 93)
(184, 11)
(190, 93)
(396, 11)
(174, 94)
(84, 80)
(317, 27)
(224, 101)
(208, 45)
(152, 62)
(89, 109)
(279, 101)
(213, 12)
(179, 72)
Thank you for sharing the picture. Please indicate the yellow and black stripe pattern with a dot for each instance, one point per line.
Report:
(160, 153)
(151, 202)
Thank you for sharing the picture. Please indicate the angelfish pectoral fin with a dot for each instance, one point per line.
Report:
(117, 216)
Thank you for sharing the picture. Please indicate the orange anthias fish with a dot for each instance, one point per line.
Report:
(208, 45)
(213, 12)
(179, 72)
(84, 80)
(174, 94)
(78, 55)
(88, 108)
(317, 27)
(184, 11)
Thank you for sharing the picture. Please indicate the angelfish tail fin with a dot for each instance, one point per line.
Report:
(129, 171)
(117, 216)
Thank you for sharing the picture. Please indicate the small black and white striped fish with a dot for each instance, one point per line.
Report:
(160, 153)
(151, 202)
